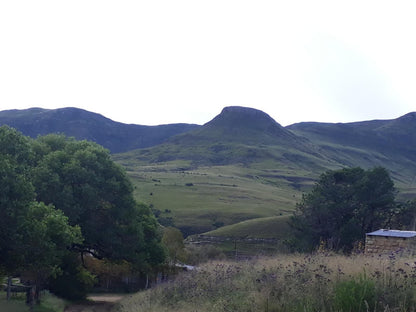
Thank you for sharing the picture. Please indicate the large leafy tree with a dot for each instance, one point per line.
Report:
(343, 206)
(60, 196)
(80, 178)
(33, 236)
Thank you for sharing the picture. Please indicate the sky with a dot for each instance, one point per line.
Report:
(157, 62)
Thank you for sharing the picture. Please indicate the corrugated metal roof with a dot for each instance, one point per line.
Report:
(393, 233)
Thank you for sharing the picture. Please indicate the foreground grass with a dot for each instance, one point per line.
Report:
(49, 303)
(13, 305)
(322, 282)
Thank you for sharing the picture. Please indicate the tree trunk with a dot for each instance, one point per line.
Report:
(9, 287)
(147, 281)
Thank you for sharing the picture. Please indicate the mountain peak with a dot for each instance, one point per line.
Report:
(242, 114)
(242, 124)
(408, 117)
(236, 117)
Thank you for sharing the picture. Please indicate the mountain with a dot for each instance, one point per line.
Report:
(399, 133)
(238, 135)
(250, 125)
(81, 124)
(387, 143)
(243, 165)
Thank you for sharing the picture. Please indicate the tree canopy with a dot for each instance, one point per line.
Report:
(59, 195)
(343, 206)
(80, 179)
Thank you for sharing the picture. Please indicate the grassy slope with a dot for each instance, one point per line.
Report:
(198, 198)
(218, 174)
(270, 227)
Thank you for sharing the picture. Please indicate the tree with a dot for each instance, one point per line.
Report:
(80, 178)
(45, 238)
(405, 218)
(173, 242)
(343, 206)
(16, 194)
(33, 236)
(61, 198)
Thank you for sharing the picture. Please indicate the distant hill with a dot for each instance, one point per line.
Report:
(387, 143)
(81, 124)
(238, 135)
(242, 165)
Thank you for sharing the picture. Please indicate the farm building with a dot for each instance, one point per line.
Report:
(388, 241)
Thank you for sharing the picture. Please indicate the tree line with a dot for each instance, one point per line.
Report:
(62, 200)
(346, 204)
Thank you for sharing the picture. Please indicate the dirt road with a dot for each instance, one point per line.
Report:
(97, 303)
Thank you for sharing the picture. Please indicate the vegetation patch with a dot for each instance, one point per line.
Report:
(303, 282)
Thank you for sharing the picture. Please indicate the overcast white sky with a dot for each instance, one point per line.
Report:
(154, 62)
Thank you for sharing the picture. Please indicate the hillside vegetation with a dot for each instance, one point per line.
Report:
(84, 125)
(320, 282)
(242, 165)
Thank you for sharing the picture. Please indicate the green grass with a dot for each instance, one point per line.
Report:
(202, 184)
(270, 227)
(14, 305)
(202, 198)
(49, 303)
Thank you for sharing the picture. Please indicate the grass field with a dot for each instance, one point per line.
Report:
(49, 303)
(202, 199)
(302, 282)
(13, 305)
(270, 227)
(259, 182)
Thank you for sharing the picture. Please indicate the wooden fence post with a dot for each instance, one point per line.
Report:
(9, 287)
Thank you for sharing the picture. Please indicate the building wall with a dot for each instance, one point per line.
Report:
(384, 244)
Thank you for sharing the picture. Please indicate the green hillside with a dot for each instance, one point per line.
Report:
(85, 125)
(263, 228)
(200, 199)
(243, 165)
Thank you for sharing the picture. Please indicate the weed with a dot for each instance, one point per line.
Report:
(318, 282)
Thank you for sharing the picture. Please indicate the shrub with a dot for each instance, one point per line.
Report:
(287, 283)
(355, 295)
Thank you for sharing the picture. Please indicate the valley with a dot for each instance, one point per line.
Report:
(240, 166)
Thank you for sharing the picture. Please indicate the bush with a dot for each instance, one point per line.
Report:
(74, 283)
(200, 254)
(355, 295)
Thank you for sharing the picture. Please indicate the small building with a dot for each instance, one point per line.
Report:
(390, 241)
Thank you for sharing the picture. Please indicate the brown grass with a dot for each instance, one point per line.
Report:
(319, 282)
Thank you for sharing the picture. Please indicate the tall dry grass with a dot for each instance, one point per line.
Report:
(319, 282)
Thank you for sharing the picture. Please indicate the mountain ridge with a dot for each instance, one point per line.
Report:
(82, 124)
(242, 164)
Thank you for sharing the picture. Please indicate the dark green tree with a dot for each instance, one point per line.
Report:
(16, 195)
(61, 198)
(343, 206)
(45, 238)
(33, 236)
(405, 218)
(81, 179)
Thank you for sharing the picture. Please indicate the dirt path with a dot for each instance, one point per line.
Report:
(97, 303)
